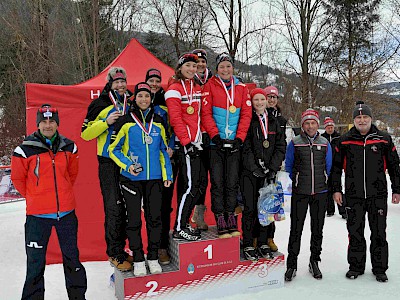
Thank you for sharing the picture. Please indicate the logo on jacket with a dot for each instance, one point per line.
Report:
(318, 147)
(34, 245)
(374, 148)
(380, 212)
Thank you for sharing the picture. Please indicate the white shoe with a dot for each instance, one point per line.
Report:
(154, 266)
(139, 268)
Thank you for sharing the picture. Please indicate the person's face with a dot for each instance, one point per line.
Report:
(119, 86)
(143, 100)
(272, 100)
(48, 128)
(363, 123)
(259, 103)
(310, 127)
(188, 69)
(225, 70)
(201, 65)
(154, 83)
(329, 129)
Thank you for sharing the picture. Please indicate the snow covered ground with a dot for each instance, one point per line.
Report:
(334, 285)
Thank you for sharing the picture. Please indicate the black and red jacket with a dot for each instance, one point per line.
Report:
(45, 176)
(365, 160)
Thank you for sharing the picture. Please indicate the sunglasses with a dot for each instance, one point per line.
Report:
(45, 109)
(272, 97)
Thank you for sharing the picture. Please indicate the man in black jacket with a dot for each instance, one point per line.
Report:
(332, 136)
(365, 153)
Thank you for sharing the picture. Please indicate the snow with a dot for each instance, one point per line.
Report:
(334, 265)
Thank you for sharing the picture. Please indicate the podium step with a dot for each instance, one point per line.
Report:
(198, 269)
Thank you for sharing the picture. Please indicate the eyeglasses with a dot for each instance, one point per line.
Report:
(47, 109)
(272, 97)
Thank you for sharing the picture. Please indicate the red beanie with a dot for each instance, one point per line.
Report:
(309, 114)
(328, 122)
(257, 91)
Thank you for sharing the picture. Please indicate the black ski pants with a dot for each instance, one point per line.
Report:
(148, 192)
(37, 234)
(298, 212)
(114, 206)
(376, 209)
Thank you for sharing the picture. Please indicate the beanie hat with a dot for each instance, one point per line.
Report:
(223, 57)
(257, 91)
(142, 86)
(309, 114)
(46, 112)
(328, 122)
(116, 73)
(186, 57)
(201, 53)
(362, 109)
(271, 90)
(153, 73)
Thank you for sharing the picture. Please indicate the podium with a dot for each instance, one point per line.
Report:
(210, 267)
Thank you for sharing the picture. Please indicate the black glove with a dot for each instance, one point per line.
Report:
(205, 138)
(192, 150)
(217, 141)
(236, 143)
(259, 173)
(271, 176)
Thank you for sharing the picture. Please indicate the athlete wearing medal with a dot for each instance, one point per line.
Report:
(183, 101)
(226, 115)
(139, 148)
(99, 123)
(263, 152)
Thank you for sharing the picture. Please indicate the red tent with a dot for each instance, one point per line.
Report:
(72, 102)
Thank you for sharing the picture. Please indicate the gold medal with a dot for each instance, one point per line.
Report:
(265, 144)
(190, 110)
(232, 109)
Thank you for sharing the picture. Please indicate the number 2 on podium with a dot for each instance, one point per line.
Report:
(209, 251)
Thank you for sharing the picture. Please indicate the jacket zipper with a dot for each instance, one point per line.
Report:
(55, 185)
(312, 170)
(365, 179)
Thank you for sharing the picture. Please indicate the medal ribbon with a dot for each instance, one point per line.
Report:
(190, 99)
(115, 102)
(205, 77)
(143, 128)
(264, 124)
(231, 98)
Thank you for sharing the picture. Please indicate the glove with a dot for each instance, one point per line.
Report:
(259, 173)
(192, 150)
(270, 176)
(217, 141)
(236, 143)
(205, 138)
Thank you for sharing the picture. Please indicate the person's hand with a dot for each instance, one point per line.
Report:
(217, 141)
(259, 173)
(167, 183)
(192, 150)
(113, 117)
(271, 176)
(170, 152)
(236, 143)
(395, 198)
(338, 198)
(132, 171)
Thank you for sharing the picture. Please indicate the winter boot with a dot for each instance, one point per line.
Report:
(222, 227)
(163, 257)
(272, 245)
(314, 269)
(232, 225)
(265, 251)
(120, 263)
(290, 274)
(250, 253)
(381, 277)
(188, 233)
(353, 274)
(198, 217)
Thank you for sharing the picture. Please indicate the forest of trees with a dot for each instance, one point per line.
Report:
(354, 44)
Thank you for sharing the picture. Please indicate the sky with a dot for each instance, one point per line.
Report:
(334, 265)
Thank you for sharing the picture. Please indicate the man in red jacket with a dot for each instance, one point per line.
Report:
(43, 169)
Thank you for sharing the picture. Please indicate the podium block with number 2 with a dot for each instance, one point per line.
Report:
(209, 268)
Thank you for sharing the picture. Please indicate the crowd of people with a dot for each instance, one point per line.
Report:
(203, 126)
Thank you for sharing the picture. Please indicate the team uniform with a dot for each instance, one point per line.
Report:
(96, 127)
